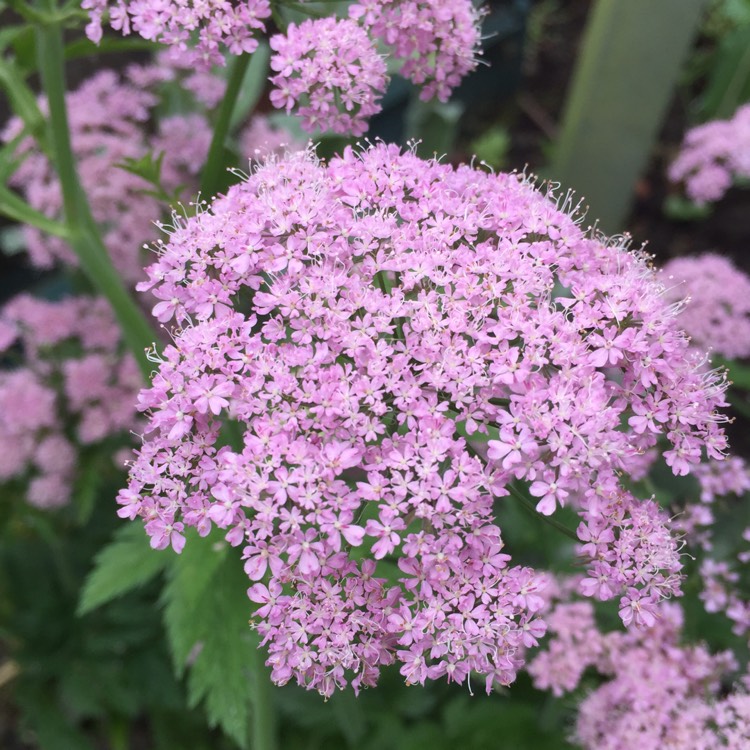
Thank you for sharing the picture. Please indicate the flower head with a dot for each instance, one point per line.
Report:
(398, 341)
(330, 73)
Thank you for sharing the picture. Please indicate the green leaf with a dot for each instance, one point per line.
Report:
(9, 160)
(434, 124)
(15, 208)
(729, 79)
(630, 62)
(86, 48)
(206, 616)
(53, 729)
(123, 565)
(492, 146)
(738, 374)
(22, 101)
(682, 209)
(10, 33)
(24, 48)
(252, 86)
(87, 485)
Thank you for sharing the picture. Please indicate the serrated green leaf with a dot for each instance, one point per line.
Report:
(128, 562)
(206, 616)
(207, 624)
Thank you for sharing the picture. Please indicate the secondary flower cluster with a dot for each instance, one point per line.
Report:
(75, 388)
(713, 155)
(660, 694)
(330, 73)
(628, 549)
(717, 314)
(395, 342)
(327, 70)
(436, 40)
(220, 25)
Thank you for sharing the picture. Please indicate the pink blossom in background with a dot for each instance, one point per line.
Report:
(328, 71)
(109, 122)
(717, 309)
(412, 339)
(712, 156)
(260, 138)
(75, 385)
(220, 25)
(436, 41)
(657, 692)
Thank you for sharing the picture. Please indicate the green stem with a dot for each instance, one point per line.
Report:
(83, 234)
(528, 504)
(16, 209)
(263, 714)
(305, 9)
(211, 177)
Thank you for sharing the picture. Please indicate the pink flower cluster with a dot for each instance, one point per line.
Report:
(330, 73)
(75, 387)
(717, 313)
(109, 123)
(722, 592)
(437, 41)
(712, 156)
(196, 31)
(660, 694)
(397, 341)
(327, 70)
(629, 549)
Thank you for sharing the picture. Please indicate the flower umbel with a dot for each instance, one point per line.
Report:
(398, 341)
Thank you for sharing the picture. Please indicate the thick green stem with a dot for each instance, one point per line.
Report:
(263, 714)
(211, 177)
(83, 234)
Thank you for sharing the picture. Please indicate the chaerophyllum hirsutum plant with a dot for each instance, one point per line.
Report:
(360, 364)
(398, 345)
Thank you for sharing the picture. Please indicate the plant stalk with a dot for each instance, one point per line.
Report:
(212, 172)
(84, 236)
(263, 720)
